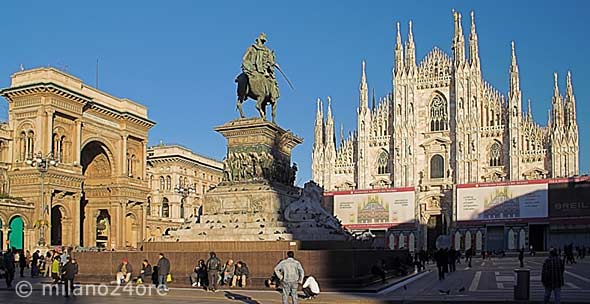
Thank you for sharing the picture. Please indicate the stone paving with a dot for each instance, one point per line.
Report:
(489, 281)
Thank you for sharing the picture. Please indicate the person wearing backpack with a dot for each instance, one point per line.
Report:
(213, 268)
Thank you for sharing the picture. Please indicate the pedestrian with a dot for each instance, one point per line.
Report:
(48, 263)
(440, 259)
(124, 272)
(468, 254)
(70, 269)
(9, 267)
(213, 268)
(452, 260)
(552, 276)
(35, 264)
(290, 273)
(163, 271)
(310, 287)
(22, 262)
(199, 276)
(145, 273)
(228, 273)
(521, 257)
(55, 269)
(241, 274)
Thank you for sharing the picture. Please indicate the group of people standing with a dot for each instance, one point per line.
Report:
(446, 261)
(213, 272)
(58, 264)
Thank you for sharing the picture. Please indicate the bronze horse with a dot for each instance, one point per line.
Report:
(258, 89)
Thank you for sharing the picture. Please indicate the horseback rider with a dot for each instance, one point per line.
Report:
(259, 64)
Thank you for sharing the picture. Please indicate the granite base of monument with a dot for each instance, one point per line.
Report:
(257, 199)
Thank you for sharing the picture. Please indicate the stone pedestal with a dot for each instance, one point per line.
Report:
(257, 199)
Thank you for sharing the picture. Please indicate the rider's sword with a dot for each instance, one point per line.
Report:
(283, 73)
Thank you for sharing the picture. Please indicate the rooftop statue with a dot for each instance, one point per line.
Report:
(257, 80)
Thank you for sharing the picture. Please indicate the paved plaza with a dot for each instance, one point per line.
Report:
(493, 280)
(487, 281)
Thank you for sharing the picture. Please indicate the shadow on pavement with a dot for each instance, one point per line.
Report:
(241, 298)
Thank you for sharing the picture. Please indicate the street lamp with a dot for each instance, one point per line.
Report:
(184, 193)
(42, 164)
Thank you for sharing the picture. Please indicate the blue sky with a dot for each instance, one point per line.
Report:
(179, 58)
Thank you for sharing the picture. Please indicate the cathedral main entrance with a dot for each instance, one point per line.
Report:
(434, 228)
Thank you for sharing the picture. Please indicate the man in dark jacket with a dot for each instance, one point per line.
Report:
(552, 276)
(9, 267)
(34, 262)
(70, 269)
(521, 257)
(22, 262)
(213, 268)
(163, 271)
(442, 259)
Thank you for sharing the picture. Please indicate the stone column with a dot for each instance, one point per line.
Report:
(144, 162)
(78, 141)
(4, 237)
(28, 241)
(124, 154)
(66, 232)
(49, 134)
(76, 219)
(142, 231)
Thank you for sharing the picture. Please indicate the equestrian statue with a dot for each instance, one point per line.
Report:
(257, 80)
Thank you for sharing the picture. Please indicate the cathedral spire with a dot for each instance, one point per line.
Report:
(410, 48)
(557, 104)
(399, 53)
(319, 126)
(473, 44)
(373, 101)
(514, 74)
(529, 112)
(458, 40)
(330, 136)
(363, 90)
(341, 133)
(570, 101)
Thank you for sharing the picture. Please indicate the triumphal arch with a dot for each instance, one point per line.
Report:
(94, 188)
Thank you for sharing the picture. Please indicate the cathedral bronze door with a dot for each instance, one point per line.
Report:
(434, 228)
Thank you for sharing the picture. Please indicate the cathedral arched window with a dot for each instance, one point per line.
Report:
(162, 183)
(182, 208)
(495, 155)
(382, 163)
(437, 166)
(148, 207)
(30, 145)
(23, 145)
(168, 182)
(165, 208)
(438, 114)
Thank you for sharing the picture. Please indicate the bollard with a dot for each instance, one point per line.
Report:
(522, 284)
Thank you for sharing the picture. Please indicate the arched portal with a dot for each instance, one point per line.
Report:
(103, 228)
(130, 230)
(56, 226)
(16, 233)
(98, 168)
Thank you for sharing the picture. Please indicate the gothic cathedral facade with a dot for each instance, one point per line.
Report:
(445, 125)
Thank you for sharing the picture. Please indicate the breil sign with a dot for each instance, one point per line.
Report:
(570, 199)
(572, 205)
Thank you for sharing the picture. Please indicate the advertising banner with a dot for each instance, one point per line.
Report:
(569, 199)
(502, 201)
(379, 208)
